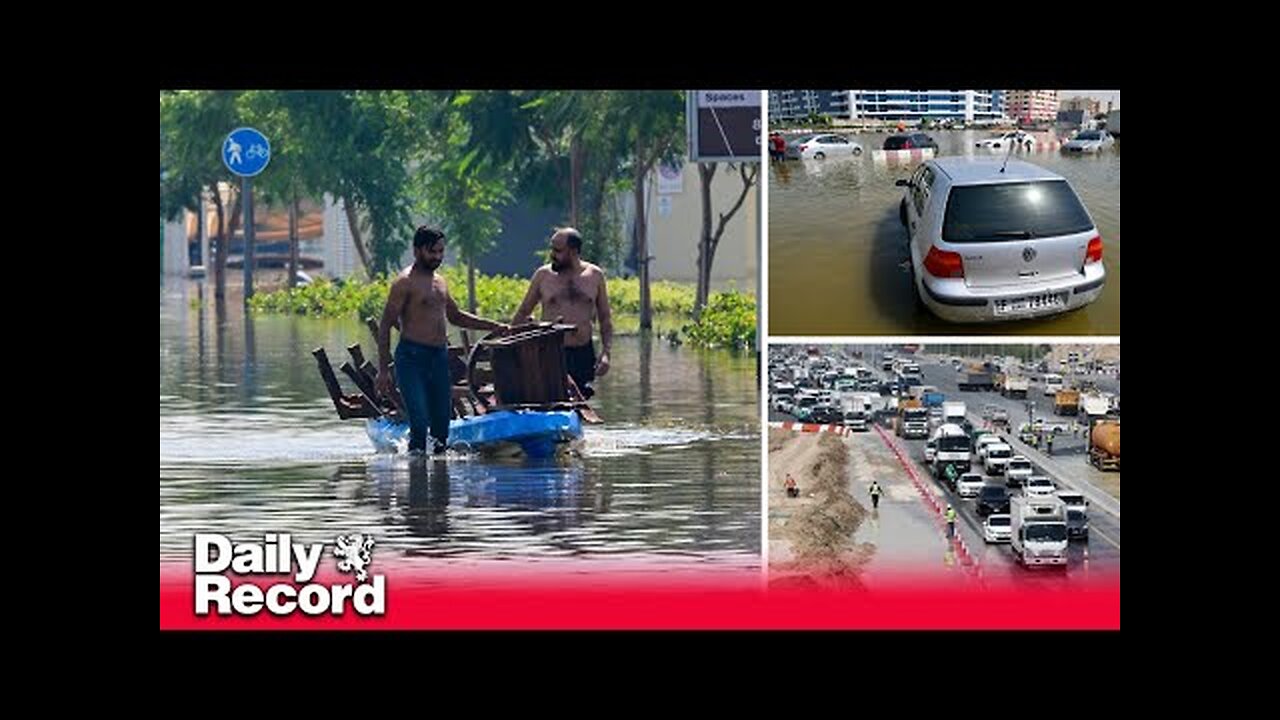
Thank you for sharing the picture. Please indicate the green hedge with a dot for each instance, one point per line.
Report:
(728, 321)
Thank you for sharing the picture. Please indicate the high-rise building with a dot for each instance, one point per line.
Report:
(800, 104)
(967, 105)
(908, 105)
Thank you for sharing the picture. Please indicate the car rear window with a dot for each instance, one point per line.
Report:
(997, 521)
(1013, 211)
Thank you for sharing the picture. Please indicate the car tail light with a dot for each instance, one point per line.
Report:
(943, 263)
(803, 148)
(1094, 253)
(906, 145)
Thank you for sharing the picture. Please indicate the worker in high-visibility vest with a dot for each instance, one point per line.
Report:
(875, 494)
(951, 522)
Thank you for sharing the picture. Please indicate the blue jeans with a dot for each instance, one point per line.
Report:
(422, 372)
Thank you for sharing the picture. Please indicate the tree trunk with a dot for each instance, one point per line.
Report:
(293, 243)
(575, 178)
(713, 242)
(642, 243)
(595, 209)
(471, 286)
(706, 173)
(354, 225)
(220, 249)
(237, 208)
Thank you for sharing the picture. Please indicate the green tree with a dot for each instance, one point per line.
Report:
(652, 122)
(360, 146)
(193, 124)
(461, 183)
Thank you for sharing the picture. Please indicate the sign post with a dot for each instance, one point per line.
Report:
(246, 153)
(725, 126)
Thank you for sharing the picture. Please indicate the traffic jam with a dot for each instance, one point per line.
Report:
(1022, 450)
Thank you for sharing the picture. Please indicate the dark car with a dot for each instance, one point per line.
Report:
(993, 498)
(826, 415)
(910, 141)
(1077, 524)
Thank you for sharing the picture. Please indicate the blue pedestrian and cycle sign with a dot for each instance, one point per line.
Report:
(246, 152)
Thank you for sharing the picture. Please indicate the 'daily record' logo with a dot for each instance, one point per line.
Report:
(216, 592)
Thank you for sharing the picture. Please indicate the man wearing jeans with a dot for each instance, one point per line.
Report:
(419, 304)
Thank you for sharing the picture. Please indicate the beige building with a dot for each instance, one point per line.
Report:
(1031, 105)
(674, 211)
(1090, 106)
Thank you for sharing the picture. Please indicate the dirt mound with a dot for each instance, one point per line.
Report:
(820, 528)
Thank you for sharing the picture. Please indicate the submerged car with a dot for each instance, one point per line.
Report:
(1018, 139)
(1089, 141)
(998, 239)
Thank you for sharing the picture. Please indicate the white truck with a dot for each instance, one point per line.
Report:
(857, 409)
(1095, 404)
(953, 412)
(1015, 386)
(1038, 532)
(995, 458)
(951, 448)
(1052, 384)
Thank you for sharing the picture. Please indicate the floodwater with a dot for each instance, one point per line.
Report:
(250, 443)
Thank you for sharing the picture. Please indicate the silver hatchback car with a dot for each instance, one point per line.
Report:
(999, 239)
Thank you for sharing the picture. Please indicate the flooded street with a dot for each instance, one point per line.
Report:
(250, 443)
(837, 248)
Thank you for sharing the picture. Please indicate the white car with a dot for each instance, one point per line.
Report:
(983, 442)
(1057, 427)
(998, 239)
(1073, 500)
(1019, 139)
(930, 450)
(997, 458)
(1039, 486)
(1089, 141)
(1017, 471)
(969, 484)
(997, 528)
(819, 147)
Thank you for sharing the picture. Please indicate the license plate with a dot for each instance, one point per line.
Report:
(1030, 304)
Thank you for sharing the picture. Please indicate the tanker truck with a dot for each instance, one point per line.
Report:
(1104, 445)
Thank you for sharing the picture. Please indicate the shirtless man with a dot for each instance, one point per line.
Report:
(572, 291)
(419, 304)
